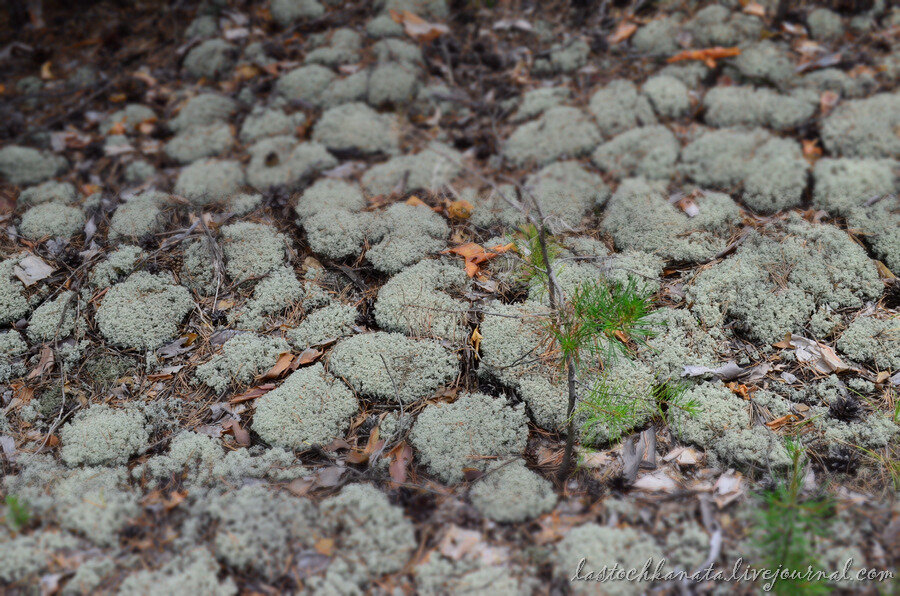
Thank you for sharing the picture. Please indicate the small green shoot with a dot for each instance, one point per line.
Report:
(17, 513)
(788, 524)
(528, 244)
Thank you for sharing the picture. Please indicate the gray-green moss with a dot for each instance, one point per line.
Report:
(272, 294)
(89, 576)
(430, 169)
(716, 25)
(417, 367)
(405, 234)
(54, 319)
(679, 342)
(668, 95)
(417, 302)
(864, 127)
(393, 84)
(467, 433)
(649, 151)
(259, 529)
(537, 101)
(141, 215)
(283, 161)
(329, 194)
(53, 220)
(252, 250)
(603, 547)
(187, 574)
(213, 59)
(764, 62)
(357, 128)
(269, 122)
(310, 408)
(724, 427)
(383, 26)
(341, 47)
(824, 25)
(305, 84)
(470, 575)
(60, 192)
(143, 311)
(200, 141)
(567, 192)
(101, 435)
(324, 325)
(13, 301)
(11, 348)
(198, 271)
(202, 27)
(775, 281)
(203, 110)
(243, 357)
(879, 227)
(771, 170)
(840, 185)
(563, 58)
(370, 533)
(618, 107)
(96, 503)
(873, 340)
(130, 117)
(286, 12)
(657, 38)
(209, 181)
(139, 171)
(118, 264)
(749, 106)
(510, 492)
(838, 81)
(560, 132)
(639, 216)
(27, 555)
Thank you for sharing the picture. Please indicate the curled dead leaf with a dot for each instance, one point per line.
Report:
(418, 28)
(708, 55)
(461, 209)
(623, 31)
(281, 366)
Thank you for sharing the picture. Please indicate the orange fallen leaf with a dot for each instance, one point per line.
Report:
(400, 456)
(782, 421)
(46, 73)
(739, 389)
(476, 342)
(416, 202)
(475, 254)
(308, 356)
(417, 27)
(461, 209)
(118, 97)
(325, 546)
(623, 31)
(811, 150)
(117, 129)
(252, 393)
(708, 55)
(281, 366)
(45, 364)
(756, 9)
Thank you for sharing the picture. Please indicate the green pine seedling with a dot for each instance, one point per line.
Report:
(17, 513)
(788, 525)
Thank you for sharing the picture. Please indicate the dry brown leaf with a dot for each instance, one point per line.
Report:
(46, 73)
(416, 202)
(458, 541)
(284, 363)
(818, 355)
(756, 9)
(623, 31)
(401, 456)
(739, 389)
(785, 420)
(44, 365)
(117, 129)
(241, 436)
(461, 209)
(828, 101)
(308, 356)
(811, 150)
(475, 340)
(475, 254)
(418, 28)
(252, 393)
(325, 546)
(708, 55)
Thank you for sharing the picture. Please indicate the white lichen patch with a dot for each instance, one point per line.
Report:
(252, 250)
(102, 435)
(468, 433)
(243, 357)
(510, 492)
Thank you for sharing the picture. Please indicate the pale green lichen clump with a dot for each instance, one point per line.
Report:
(252, 250)
(102, 435)
(310, 408)
(640, 217)
(451, 437)
(723, 426)
(194, 572)
(119, 263)
(324, 325)
(603, 547)
(243, 357)
(96, 503)
(841, 185)
(141, 215)
(869, 339)
(259, 529)
(560, 132)
(272, 294)
(417, 302)
(510, 492)
(11, 347)
(649, 151)
(357, 127)
(51, 219)
(25, 165)
(417, 367)
(143, 311)
(54, 319)
(777, 279)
